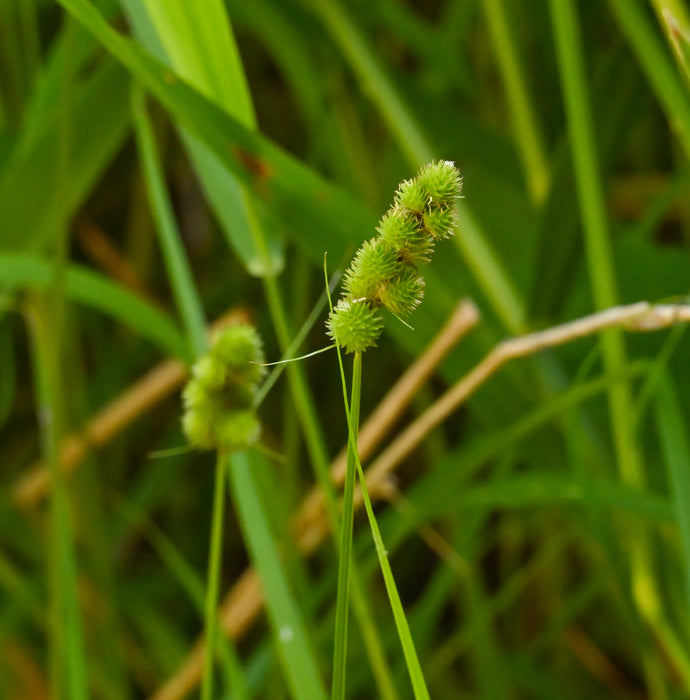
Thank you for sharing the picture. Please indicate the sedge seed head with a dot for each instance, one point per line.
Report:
(403, 295)
(354, 325)
(197, 425)
(373, 263)
(237, 430)
(403, 231)
(238, 347)
(412, 195)
(223, 384)
(194, 393)
(441, 182)
(209, 372)
(440, 222)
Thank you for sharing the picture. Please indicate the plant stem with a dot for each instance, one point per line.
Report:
(411, 659)
(604, 291)
(527, 132)
(214, 562)
(341, 612)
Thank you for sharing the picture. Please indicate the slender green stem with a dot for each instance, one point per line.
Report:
(374, 80)
(411, 659)
(360, 603)
(67, 670)
(319, 460)
(341, 611)
(528, 136)
(181, 279)
(603, 280)
(214, 565)
(658, 66)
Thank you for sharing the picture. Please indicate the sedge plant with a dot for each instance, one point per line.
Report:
(220, 415)
(385, 273)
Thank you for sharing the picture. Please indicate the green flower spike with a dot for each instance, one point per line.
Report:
(403, 295)
(412, 195)
(375, 262)
(240, 349)
(209, 372)
(400, 230)
(218, 398)
(384, 270)
(354, 325)
(440, 222)
(237, 429)
(441, 182)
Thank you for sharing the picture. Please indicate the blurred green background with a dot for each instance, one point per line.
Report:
(167, 164)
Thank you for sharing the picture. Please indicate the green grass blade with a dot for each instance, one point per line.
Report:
(293, 645)
(414, 668)
(289, 189)
(672, 429)
(92, 289)
(597, 243)
(483, 262)
(32, 170)
(179, 272)
(673, 95)
(192, 584)
(197, 42)
(68, 674)
(374, 81)
(528, 134)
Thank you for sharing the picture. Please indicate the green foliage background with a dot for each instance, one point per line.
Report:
(164, 162)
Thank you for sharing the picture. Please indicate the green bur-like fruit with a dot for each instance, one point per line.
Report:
(402, 295)
(374, 263)
(440, 222)
(441, 182)
(384, 271)
(399, 229)
(354, 325)
(218, 398)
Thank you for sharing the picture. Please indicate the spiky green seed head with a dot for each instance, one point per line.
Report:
(354, 325)
(441, 182)
(402, 231)
(374, 262)
(237, 430)
(412, 195)
(197, 425)
(403, 295)
(440, 222)
(239, 349)
(384, 270)
(194, 393)
(223, 384)
(210, 372)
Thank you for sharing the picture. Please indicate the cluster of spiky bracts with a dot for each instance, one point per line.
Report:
(218, 399)
(385, 270)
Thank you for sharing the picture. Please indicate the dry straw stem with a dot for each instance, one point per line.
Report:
(154, 387)
(640, 316)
